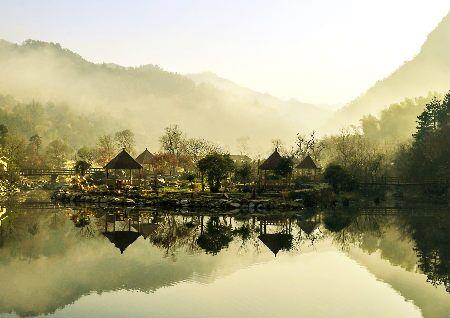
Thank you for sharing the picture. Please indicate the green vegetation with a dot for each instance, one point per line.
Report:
(146, 98)
(427, 157)
(216, 167)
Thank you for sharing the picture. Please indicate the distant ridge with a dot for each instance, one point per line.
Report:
(428, 71)
(148, 98)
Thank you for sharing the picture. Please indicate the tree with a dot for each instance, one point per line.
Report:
(197, 148)
(3, 134)
(216, 167)
(284, 167)
(106, 149)
(87, 154)
(125, 139)
(339, 178)
(172, 140)
(308, 146)
(277, 143)
(427, 122)
(243, 173)
(427, 157)
(15, 151)
(215, 237)
(81, 167)
(35, 143)
(34, 158)
(56, 153)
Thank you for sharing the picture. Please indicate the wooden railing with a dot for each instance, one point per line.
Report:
(49, 172)
(403, 181)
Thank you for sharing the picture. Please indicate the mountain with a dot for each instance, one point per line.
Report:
(306, 112)
(146, 99)
(428, 71)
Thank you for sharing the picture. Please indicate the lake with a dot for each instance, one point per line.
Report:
(93, 262)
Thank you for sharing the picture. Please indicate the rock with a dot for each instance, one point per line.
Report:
(235, 205)
(184, 202)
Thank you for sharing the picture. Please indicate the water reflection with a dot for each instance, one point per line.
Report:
(66, 254)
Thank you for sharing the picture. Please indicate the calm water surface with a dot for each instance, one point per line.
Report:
(68, 262)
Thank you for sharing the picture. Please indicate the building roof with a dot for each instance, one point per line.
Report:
(271, 163)
(307, 226)
(145, 158)
(122, 239)
(276, 242)
(123, 161)
(307, 163)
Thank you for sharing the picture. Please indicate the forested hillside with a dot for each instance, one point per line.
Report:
(147, 98)
(428, 71)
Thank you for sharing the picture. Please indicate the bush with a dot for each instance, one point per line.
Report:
(339, 178)
(301, 182)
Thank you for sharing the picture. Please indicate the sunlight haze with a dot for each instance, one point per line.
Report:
(323, 52)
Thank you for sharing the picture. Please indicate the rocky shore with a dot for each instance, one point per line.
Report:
(178, 200)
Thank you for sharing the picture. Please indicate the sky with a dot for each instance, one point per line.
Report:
(317, 51)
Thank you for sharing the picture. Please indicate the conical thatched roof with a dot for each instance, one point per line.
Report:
(308, 226)
(271, 163)
(121, 239)
(307, 163)
(276, 242)
(123, 161)
(145, 158)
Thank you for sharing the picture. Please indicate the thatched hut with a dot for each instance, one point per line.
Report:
(145, 158)
(307, 167)
(125, 163)
(270, 165)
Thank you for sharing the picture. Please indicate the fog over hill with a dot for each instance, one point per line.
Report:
(428, 71)
(147, 98)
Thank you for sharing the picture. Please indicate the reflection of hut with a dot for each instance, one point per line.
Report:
(122, 239)
(145, 159)
(277, 241)
(308, 227)
(281, 240)
(146, 229)
(125, 163)
(308, 167)
(270, 164)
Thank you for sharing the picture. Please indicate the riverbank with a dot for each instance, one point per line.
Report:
(320, 196)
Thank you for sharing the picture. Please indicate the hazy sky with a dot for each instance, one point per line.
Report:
(321, 51)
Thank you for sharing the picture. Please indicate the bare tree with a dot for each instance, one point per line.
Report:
(308, 145)
(125, 139)
(106, 149)
(172, 140)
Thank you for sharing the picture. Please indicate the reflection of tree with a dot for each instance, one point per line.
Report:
(25, 233)
(175, 232)
(336, 221)
(348, 227)
(215, 236)
(432, 245)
